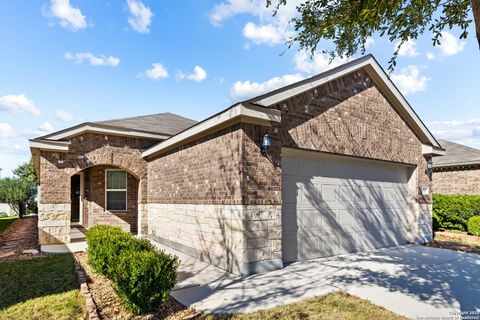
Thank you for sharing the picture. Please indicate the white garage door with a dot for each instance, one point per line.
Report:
(335, 205)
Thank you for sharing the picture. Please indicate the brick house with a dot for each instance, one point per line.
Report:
(459, 171)
(343, 173)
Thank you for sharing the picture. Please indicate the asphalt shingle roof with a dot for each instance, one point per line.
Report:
(457, 154)
(163, 123)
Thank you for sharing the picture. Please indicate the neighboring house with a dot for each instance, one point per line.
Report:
(6, 208)
(458, 172)
(344, 171)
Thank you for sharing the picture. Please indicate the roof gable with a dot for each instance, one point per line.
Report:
(376, 73)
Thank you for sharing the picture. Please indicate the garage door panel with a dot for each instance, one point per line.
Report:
(308, 219)
(336, 206)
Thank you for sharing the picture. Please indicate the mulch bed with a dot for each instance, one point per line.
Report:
(20, 235)
(456, 241)
(109, 305)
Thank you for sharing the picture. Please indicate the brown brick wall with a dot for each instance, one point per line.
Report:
(206, 171)
(94, 203)
(457, 181)
(86, 151)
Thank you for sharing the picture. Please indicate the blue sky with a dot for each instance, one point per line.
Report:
(65, 62)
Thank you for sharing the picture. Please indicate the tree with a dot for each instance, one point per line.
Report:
(348, 24)
(20, 190)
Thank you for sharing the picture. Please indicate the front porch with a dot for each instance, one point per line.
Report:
(99, 195)
(77, 243)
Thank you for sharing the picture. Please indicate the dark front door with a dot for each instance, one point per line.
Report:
(75, 198)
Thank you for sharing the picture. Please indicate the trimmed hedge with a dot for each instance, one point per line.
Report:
(473, 225)
(453, 211)
(143, 277)
(105, 243)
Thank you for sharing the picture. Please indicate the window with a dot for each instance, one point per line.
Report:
(116, 190)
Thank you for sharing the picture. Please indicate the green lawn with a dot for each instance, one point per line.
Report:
(333, 306)
(5, 222)
(40, 288)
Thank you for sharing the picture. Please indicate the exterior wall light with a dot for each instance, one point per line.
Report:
(266, 143)
(429, 169)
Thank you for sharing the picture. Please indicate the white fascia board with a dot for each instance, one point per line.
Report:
(100, 129)
(428, 150)
(239, 111)
(49, 145)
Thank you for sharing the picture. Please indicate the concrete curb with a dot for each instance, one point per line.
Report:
(87, 295)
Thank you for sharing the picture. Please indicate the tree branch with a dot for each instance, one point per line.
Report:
(476, 18)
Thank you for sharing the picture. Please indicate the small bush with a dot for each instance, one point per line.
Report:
(105, 243)
(143, 279)
(454, 211)
(473, 225)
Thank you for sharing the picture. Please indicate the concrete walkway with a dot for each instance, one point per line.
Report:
(413, 281)
(77, 244)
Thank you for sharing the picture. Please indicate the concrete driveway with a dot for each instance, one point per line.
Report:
(410, 280)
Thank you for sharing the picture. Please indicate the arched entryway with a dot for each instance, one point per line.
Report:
(107, 195)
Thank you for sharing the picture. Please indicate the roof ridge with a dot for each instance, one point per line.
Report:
(133, 117)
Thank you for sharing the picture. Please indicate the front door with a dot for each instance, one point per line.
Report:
(75, 198)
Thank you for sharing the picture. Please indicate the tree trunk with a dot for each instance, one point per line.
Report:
(476, 18)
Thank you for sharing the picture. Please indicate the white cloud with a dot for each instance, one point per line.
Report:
(95, 61)
(6, 131)
(265, 34)
(226, 10)
(408, 48)
(69, 17)
(450, 45)
(156, 72)
(317, 63)
(17, 104)
(369, 42)
(409, 80)
(140, 16)
(246, 89)
(431, 56)
(269, 30)
(465, 131)
(199, 74)
(45, 127)
(63, 115)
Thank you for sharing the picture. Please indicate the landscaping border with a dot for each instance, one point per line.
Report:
(85, 291)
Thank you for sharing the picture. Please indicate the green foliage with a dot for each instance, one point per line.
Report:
(436, 223)
(143, 277)
(348, 24)
(22, 189)
(473, 225)
(105, 243)
(454, 211)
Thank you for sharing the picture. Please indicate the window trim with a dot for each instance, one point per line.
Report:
(107, 190)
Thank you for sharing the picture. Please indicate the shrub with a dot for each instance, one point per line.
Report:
(143, 279)
(473, 225)
(436, 224)
(454, 211)
(105, 243)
